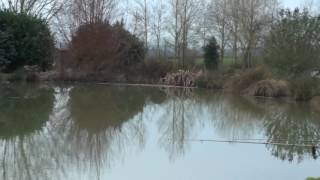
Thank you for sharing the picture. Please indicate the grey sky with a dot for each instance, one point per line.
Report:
(291, 3)
(300, 3)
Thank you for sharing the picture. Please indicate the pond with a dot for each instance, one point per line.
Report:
(93, 132)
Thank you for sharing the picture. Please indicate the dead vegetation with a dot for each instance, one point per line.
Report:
(181, 78)
(240, 82)
(315, 104)
(269, 88)
(257, 82)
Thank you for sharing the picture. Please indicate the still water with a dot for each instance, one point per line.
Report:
(93, 132)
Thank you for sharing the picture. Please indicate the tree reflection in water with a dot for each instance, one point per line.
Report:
(236, 117)
(24, 112)
(292, 123)
(20, 105)
(69, 133)
(104, 123)
(186, 112)
(177, 122)
(240, 118)
(87, 129)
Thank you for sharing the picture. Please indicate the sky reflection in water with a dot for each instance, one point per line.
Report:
(84, 132)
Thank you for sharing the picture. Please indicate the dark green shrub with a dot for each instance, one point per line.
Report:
(211, 54)
(313, 179)
(304, 88)
(293, 46)
(24, 40)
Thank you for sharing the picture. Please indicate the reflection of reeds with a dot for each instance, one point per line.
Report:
(185, 93)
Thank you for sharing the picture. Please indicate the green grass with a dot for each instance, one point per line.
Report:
(228, 61)
(199, 62)
(313, 179)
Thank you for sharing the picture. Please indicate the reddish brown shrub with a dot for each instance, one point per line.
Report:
(102, 49)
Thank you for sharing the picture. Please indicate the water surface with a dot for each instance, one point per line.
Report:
(93, 132)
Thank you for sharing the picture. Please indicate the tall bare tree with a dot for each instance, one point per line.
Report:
(89, 11)
(184, 24)
(45, 8)
(174, 26)
(184, 14)
(77, 12)
(141, 16)
(157, 23)
(204, 26)
(233, 26)
(219, 17)
(254, 17)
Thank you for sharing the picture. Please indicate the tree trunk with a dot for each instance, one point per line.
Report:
(146, 24)
(176, 40)
(184, 35)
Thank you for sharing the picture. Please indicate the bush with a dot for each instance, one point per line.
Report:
(304, 88)
(211, 54)
(24, 40)
(315, 104)
(210, 80)
(239, 83)
(155, 69)
(269, 88)
(101, 48)
(293, 46)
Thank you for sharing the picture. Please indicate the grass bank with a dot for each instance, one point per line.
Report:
(258, 81)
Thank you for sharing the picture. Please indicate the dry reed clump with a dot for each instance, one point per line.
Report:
(239, 83)
(315, 104)
(268, 88)
(181, 78)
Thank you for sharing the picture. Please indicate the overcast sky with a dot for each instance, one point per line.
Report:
(291, 3)
(298, 3)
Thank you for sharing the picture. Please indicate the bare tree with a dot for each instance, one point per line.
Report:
(219, 17)
(78, 12)
(89, 11)
(254, 17)
(189, 13)
(184, 14)
(174, 26)
(240, 24)
(184, 23)
(45, 8)
(157, 24)
(233, 26)
(204, 26)
(141, 20)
